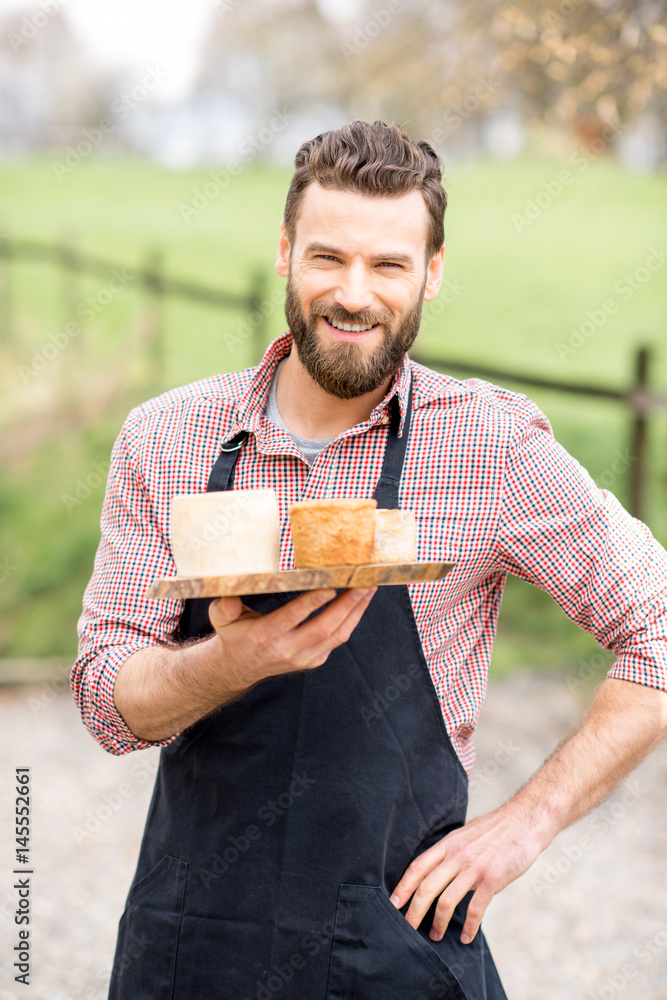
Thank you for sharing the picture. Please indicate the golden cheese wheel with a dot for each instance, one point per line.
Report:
(333, 532)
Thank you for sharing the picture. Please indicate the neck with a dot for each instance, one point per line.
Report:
(312, 413)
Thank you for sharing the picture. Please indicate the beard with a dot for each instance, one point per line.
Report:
(346, 370)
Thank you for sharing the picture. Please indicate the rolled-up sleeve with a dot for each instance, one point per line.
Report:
(117, 619)
(560, 532)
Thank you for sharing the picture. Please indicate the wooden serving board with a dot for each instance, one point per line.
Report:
(379, 574)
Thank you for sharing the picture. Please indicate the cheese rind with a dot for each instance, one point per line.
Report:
(333, 532)
(225, 532)
(395, 536)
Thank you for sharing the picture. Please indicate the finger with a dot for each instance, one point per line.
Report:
(476, 910)
(224, 610)
(417, 870)
(447, 903)
(315, 640)
(428, 889)
(281, 621)
(248, 613)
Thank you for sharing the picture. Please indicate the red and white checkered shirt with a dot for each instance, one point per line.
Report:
(492, 491)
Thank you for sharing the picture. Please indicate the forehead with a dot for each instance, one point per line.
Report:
(357, 221)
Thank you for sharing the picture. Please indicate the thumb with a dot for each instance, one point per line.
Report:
(224, 610)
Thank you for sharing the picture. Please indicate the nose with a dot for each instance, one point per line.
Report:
(354, 291)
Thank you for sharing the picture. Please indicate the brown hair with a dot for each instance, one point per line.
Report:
(375, 159)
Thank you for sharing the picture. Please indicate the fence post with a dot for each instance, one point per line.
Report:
(71, 265)
(255, 302)
(153, 277)
(638, 402)
(71, 268)
(6, 289)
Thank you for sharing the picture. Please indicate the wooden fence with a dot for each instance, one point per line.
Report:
(151, 277)
(638, 396)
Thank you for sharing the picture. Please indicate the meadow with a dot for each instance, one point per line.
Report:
(543, 276)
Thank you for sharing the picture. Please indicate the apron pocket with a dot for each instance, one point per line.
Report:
(377, 955)
(145, 959)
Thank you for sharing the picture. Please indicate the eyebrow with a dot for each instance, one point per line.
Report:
(402, 258)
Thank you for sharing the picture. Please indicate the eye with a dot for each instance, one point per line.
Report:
(389, 263)
(325, 256)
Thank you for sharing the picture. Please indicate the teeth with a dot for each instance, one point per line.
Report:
(348, 328)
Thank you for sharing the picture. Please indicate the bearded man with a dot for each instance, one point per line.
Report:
(300, 844)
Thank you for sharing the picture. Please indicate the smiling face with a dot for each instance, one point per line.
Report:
(357, 277)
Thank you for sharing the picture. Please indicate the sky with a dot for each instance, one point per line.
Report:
(133, 35)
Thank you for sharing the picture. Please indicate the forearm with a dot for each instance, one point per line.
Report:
(161, 690)
(625, 722)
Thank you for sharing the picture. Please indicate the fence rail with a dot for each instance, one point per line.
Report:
(151, 276)
(640, 399)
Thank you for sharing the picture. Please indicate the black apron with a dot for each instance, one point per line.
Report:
(280, 824)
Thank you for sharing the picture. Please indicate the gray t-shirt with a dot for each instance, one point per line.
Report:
(310, 449)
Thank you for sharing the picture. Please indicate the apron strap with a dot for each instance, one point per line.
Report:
(194, 621)
(386, 491)
(222, 473)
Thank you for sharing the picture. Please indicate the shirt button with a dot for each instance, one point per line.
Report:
(385, 419)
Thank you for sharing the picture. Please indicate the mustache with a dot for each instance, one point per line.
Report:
(363, 318)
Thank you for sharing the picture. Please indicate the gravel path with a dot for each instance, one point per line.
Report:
(587, 922)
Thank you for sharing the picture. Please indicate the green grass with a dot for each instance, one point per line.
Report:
(523, 293)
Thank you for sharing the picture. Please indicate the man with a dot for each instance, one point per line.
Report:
(306, 837)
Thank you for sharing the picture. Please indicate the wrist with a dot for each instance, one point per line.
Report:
(542, 810)
(205, 671)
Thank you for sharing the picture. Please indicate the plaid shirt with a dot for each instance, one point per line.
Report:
(492, 491)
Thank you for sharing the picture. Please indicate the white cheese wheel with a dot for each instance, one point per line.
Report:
(395, 536)
(226, 532)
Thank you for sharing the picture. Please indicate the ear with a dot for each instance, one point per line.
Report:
(434, 274)
(282, 257)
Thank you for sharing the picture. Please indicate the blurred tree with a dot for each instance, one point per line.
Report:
(586, 64)
(438, 65)
(47, 84)
(270, 54)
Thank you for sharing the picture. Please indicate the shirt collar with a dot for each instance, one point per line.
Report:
(252, 404)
